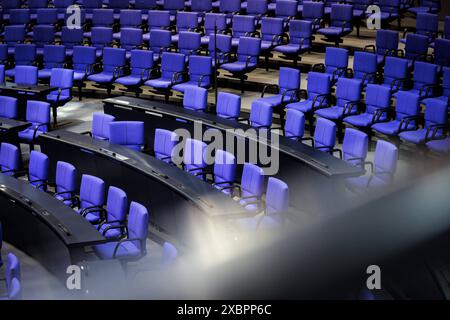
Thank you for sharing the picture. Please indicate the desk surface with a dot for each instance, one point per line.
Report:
(211, 201)
(40, 88)
(70, 227)
(11, 124)
(318, 160)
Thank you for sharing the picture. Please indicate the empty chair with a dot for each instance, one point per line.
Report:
(189, 43)
(286, 10)
(38, 114)
(54, 57)
(133, 247)
(441, 54)
(127, 133)
(445, 93)
(243, 26)
(300, 35)
(164, 144)
(195, 98)
(359, 11)
(173, 6)
(172, 65)
(314, 13)
(247, 59)
(161, 42)
(144, 6)
(433, 6)
(377, 98)
(364, 67)
(194, 158)
(257, 8)
(118, 6)
(101, 18)
(224, 172)
(65, 182)
(13, 35)
(19, 17)
(324, 135)
(61, 6)
(271, 36)
(386, 45)
(83, 65)
(42, 35)
(213, 20)
(90, 5)
(113, 217)
(435, 122)
(260, 115)
(71, 38)
(131, 39)
(63, 80)
(200, 70)
(223, 48)
(251, 187)
(9, 159)
(24, 55)
(340, 25)
(101, 38)
(200, 7)
(46, 16)
(230, 8)
(12, 278)
(383, 168)
(294, 127)
(92, 196)
(157, 20)
(100, 125)
(336, 63)
(142, 69)
(329, 4)
(8, 107)
(441, 146)
(395, 73)
(416, 48)
(3, 53)
(425, 79)
(406, 111)
(355, 147)
(128, 19)
(113, 65)
(38, 169)
(427, 24)
(26, 75)
(390, 11)
(228, 105)
(186, 21)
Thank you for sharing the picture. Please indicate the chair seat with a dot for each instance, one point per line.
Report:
(362, 120)
(440, 146)
(159, 83)
(182, 86)
(102, 77)
(292, 48)
(416, 10)
(358, 13)
(79, 75)
(266, 45)
(416, 136)
(303, 106)
(44, 73)
(127, 250)
(274, 100)
(131, 80)
(238, 66)
(441, 98)
(332, 113)
(334, 31)
(390, 128)
(27, 134)
(110, 234)
(53, 97)
(10, 73)
(92, 217)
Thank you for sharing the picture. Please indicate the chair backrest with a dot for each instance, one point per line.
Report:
(54, 56)
(285, 8)
(160, 40)
(277, 196)
(260, 115)
(14, 34)
(288, 79)
(377, 97)
(43, 34)
(65, 178)
(38, 168)
(26, 75)
(427, 24)
(83, 57)
(442, 52)
(194, 156)
(300, 30)
(341, 15)
(243, 25)
(9, 158)
(145, 5)
(3, 53)
(407, 104)
(249, 47)
(294, 127)
(102, 17)
(164, 144)
(13, 269)
(436, 113)
(200, 69)
(127, 133)
(365, 63)
(141, 62)
(19, 16)
(63, 79)
(38, 112)
(130, 38)
(100, 125)
(101, 37)
(118, 5)
(386, 41)
(318, 83)
(228, 105)
(355, 146)
(270, 28)
(138, 225)
(46, 16)
(170, 63)
(425, 74)
(257, 7)
(35, 4)
(391, 6)
(313, 10)
(130, 18)
(395, 68)
(195, 98)
(116, 205)
(324, 135)
(252, 181)
(189, 42)
(173, 5)
(92, 191)
(385, 162)
(24, 54)
(113, 58)
(224, 168)
(8, 107)
(201, 6)
(158, 19)
(335, 58)
(230, 6)
(416, 46)
(186, 21)
(2, 73)
(348, 90)
(62, 5)
(215, 19)
(446, 82)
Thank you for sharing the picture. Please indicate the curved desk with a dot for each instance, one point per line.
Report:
(43, 227)
(310, 174)
(177, 201)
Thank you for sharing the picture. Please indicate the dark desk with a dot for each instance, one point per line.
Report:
(43, 227)
(310, 174)
(177, 201)
(24, 93)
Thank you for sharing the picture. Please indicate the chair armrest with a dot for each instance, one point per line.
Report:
(370, 48)
(318, 67)
(370, 164)
(339, 151)
(322, 98)
(349, 106)
(404, 123)
(294, 93)
(124, 229)
(267, 86)
(434, 130)
(125, 240)
(176, 75)
(89, 133)
(36, 127)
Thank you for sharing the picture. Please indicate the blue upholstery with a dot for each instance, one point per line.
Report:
(348, 93)
(101, 37)
(66, 183)
(228, 105)
(2, 73)
(341, 22)
(9, 159)
(271, 33)
(195, 98)
(365, 67)
(186, 21)
(252, 186)
(439, 146)
(442, 52)
(224, 171)
(42, 35)
(386, 44)
(314, 13)
(54, 57)
(13, 35)
(116, 211)
(141, 68)
(427, 24)
(390, 10)
(134, 247)
(377, 98)
(171, 64)
(433, 6)
(294, 127)
(230, 7)
(243, 26)
(288, 87)
(194, 157)
(445, 93)
(324, 135)
(200, 69)
(211, 21)
(189, 43)
(8, 107)
(92, 197)
(425, 77)
(63, 80)
(113, 63)
(160, 42)
(407, 107)
(300, 34)
(164, 144)
(100, 125)
(201, 7)
(102, 17)
(355, 147)
(286, 10)
(223, 48)
(128, 19)
(260, 115)
(336, 63)
(24, 55)
(130, 39)
(257, 8)
(169, 254)
(38, 169)
(83, 61)
(12, 278)
(127, 133)
(3, 54)
(395, 73)
(173, 6)
(38, 114)
(157, 20)
(416, 48)
(19, 16)
(48, 16)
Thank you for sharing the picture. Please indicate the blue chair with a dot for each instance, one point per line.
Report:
(251, 187)
(224, 172)
(92, 197)
(425, 80)
(433, 6)
(43, 35)
(45, 16)
(24, 55)
(38, 114)
(100, 126)
(406, 115)
(299, 41)
(113, 66)
(12, 278)
(127, 133)
(172, 67)
(133, 247)
(441, 146)
(157, 20)
(441, 54)
(144, 6)
(159, 43)
(271, 36)
(228, 105)
(118, 6)
(38, 169)
(364, 67)
(195, 98)
(427, 24)
(113, 217)
(316, 96)
(90, 5)
(9, 159)
(8, 107)
(101, 17)
(2, 74)
(213, 20)
(128, 19)
(340, 25)
(355, 147)
(247, 59)
(194, 158)
(26, 75)
(54, 57)
(83, 65)
(390, 11)
(324, 136)
(201, 7)
(395, 74)
(329, 4)
(378, 98)
(294, 127)
(102, 38)
(230, 8)
(386, 45)
(243, 26)
(416, 49)
(435, 122)
(13, 35)
(336, 63)
(186, 21)
(445, 93)
(200, 70)
(63, 80)
(314, 12)
(164, 144)
(19, 17)
(173, 6)
(223, 49)
(65, 183)
(260, 115)
(359, 11)
(286, 10)
(257, 9)
(3, 55)
(142, 69)
(131, 39)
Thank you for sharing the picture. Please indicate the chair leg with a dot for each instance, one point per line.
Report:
(80, 85)
(55, 116)
(267, 61)
(242, 84)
